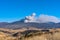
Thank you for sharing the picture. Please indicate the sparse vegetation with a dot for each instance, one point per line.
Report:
(30, 35)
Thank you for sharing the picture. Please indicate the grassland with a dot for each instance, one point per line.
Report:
(20, 34)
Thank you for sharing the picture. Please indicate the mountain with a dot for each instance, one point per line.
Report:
(29, 22)
(21, 24)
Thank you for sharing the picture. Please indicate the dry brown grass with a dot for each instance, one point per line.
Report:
(4, 36)
(55, 36)
(30, 36)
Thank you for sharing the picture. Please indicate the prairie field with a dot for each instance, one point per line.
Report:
(9, 34)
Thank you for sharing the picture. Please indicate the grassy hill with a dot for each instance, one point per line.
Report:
(42, 34)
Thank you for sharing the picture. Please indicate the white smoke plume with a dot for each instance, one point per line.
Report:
(46, 18)
(30, 18)
(41, 19)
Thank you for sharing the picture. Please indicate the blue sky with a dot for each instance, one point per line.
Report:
(12, 10)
